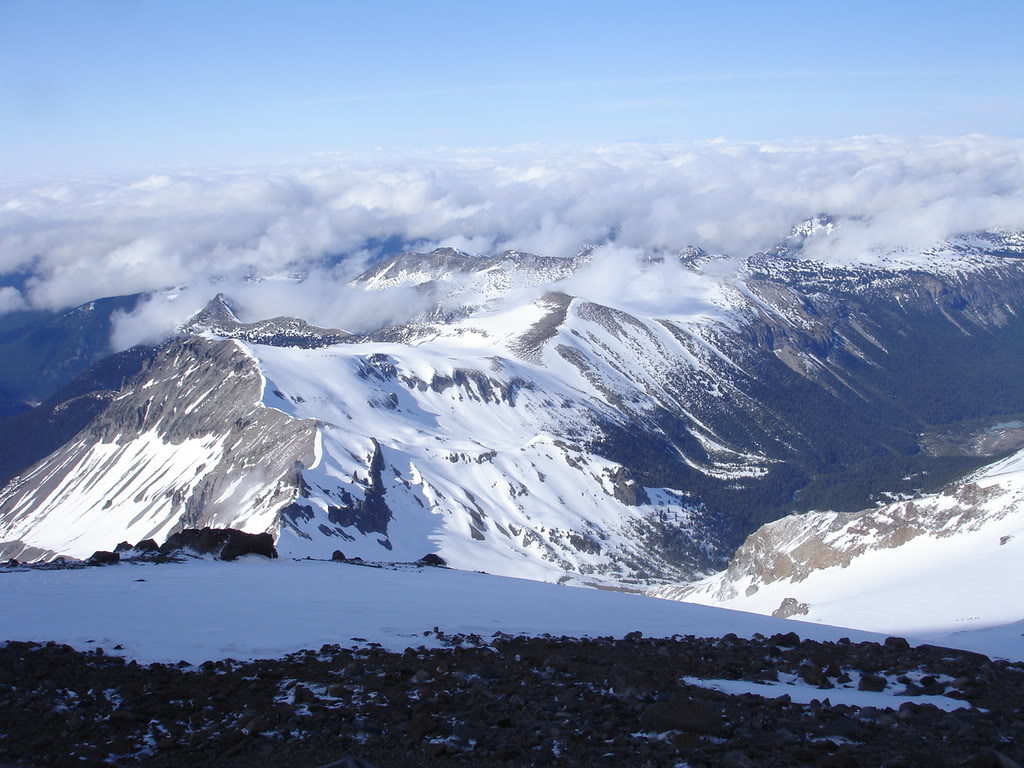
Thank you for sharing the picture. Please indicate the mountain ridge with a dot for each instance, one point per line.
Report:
(677, 433)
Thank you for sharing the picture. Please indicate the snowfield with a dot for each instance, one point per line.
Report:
(958, 580)
(256, 608)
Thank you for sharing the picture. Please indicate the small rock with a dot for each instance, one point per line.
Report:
(811, 674)
(338, 556)
(874, 683)
(680, 715)
(434, 560)
(303, 695)
(421, 726)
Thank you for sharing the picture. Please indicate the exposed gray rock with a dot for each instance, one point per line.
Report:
(266, 444)
(790, 607)
(219, 317)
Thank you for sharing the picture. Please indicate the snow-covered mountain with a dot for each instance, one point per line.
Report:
(949, 560)
(530, 422)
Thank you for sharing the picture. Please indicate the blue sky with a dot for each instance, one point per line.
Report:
(116, 85)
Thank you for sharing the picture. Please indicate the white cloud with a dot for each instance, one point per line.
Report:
(11, 300)
(84, 238)
(615, 277)
(323, 298)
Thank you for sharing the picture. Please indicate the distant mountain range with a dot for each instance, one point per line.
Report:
(519, 426)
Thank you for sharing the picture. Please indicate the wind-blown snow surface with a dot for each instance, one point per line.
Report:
(946, 566)
(257, 608)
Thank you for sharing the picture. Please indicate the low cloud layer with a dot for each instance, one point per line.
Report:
(323, 299)
(79, 239)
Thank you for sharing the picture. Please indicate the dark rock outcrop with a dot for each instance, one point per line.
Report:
(222, 543)
(103, 557)
(370, 514)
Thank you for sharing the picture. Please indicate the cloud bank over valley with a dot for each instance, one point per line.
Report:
(66, 242)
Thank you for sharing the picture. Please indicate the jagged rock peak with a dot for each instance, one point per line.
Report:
(822, 223)
(220, 317)
(218, 310)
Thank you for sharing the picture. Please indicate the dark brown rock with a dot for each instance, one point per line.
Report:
(681, 715)
(223, 543)
(873, 683)
(811, 674)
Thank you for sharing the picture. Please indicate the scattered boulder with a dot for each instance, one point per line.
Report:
(222, 543)
(338, 556)
(124, 546)
(103, 557)
(874, 683)
(811, 674)
(147, 545)
(435, 560)
(897, 642)
(507, 700)
(789, 639)
(680, 715)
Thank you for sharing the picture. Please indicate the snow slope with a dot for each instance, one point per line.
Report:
(946, 566)
(261, 608)
(187, 443)
(486, 466)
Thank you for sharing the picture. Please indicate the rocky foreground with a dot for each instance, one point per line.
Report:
(510, 701)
